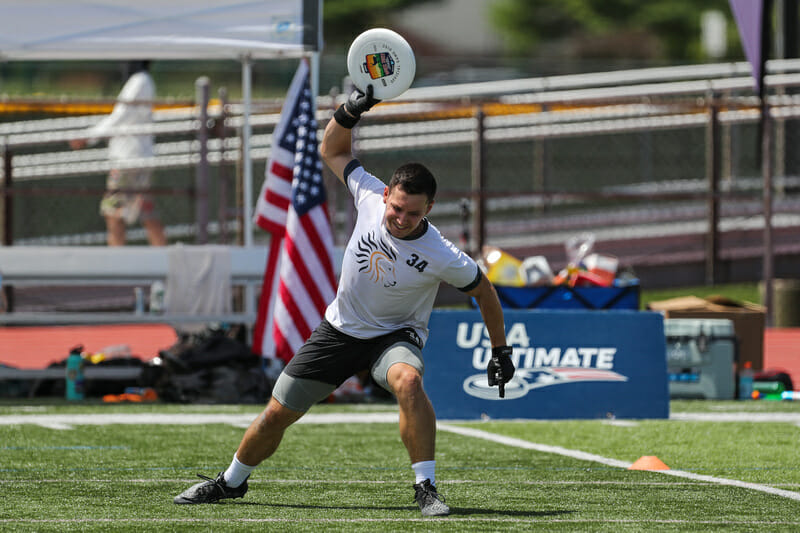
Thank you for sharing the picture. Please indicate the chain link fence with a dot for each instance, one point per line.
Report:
(661, 173)
(636, 176)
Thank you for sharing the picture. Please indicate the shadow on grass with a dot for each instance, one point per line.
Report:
(456, 511)
(320, 507)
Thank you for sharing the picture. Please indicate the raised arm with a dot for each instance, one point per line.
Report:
(336, 148)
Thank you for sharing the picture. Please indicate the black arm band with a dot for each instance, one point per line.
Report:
(502, 350)
(475, 281)
(343, 119)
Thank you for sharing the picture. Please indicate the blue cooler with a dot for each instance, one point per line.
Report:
(701, 353)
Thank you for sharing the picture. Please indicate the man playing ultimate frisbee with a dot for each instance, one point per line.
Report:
(391, 271)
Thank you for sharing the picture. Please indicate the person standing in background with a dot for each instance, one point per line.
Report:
(127, 200)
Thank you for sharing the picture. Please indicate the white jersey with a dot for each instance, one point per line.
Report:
(388, 283)
(133, 107)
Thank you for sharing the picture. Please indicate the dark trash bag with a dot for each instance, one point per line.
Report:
(212, 367)
(209, 352)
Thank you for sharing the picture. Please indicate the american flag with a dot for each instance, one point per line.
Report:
(299, 280)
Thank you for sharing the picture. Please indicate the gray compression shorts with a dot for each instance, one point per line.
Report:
(330, 357)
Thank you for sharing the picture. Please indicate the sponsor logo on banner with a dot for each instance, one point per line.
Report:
(537, 366)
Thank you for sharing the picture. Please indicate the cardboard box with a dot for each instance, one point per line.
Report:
(748, 321)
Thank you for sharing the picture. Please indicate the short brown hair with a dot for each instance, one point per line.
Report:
(414, 178)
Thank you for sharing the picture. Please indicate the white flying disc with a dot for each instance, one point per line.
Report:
(385, 60)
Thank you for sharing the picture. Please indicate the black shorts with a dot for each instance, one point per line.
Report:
(331, 356)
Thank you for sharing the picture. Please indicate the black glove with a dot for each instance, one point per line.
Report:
(349, 113)
(500, 369)
(360, 102)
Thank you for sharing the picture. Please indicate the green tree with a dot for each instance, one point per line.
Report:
(657, 29)
(344, 20)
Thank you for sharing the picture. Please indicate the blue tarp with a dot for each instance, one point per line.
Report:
(563, 297)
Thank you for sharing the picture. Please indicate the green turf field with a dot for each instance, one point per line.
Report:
(116, 468)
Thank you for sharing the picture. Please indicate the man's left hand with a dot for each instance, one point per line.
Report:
(500, 369)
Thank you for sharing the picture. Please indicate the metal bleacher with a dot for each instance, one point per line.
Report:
(26, 266)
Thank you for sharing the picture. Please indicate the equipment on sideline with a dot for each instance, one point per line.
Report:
(383, 58)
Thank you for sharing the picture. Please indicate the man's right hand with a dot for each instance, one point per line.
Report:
(360, 102)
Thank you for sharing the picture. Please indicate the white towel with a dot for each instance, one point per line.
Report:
(198, 280)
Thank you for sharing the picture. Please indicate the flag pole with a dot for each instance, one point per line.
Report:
(314, 75)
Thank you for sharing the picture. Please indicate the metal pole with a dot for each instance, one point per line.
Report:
(314, 66)
(8, 215)
(247, 185)
(713, 176)
(540, 169)
(478, 184)
(239, 193)
(201, 176)
(789, 21)
(247, 164)
(766, 160)
(766, 170)
(223, 181)
(8, 199)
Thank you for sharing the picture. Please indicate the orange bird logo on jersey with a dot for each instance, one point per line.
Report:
(376, 259)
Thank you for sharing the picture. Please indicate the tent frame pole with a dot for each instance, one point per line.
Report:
(247, 164)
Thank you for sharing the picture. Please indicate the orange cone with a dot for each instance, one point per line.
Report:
(648, 462)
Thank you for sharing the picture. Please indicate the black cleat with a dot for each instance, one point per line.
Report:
(210, 491)
(429, 501)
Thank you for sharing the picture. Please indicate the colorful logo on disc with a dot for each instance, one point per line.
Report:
(378, 65)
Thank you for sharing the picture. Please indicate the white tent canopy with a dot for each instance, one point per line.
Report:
(165, 29)
(157, 29)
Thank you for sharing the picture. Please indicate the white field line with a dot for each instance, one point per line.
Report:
(492, 520)
(577, 454)
(527, 445)
(793, 418)
(383, 482)
(65, 421)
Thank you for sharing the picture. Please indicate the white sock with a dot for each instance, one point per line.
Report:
(237, 472)
(425, 470)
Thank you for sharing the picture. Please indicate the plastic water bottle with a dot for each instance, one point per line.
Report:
(746, 381)
(74, 374)
(157, 290)
(138, 298)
